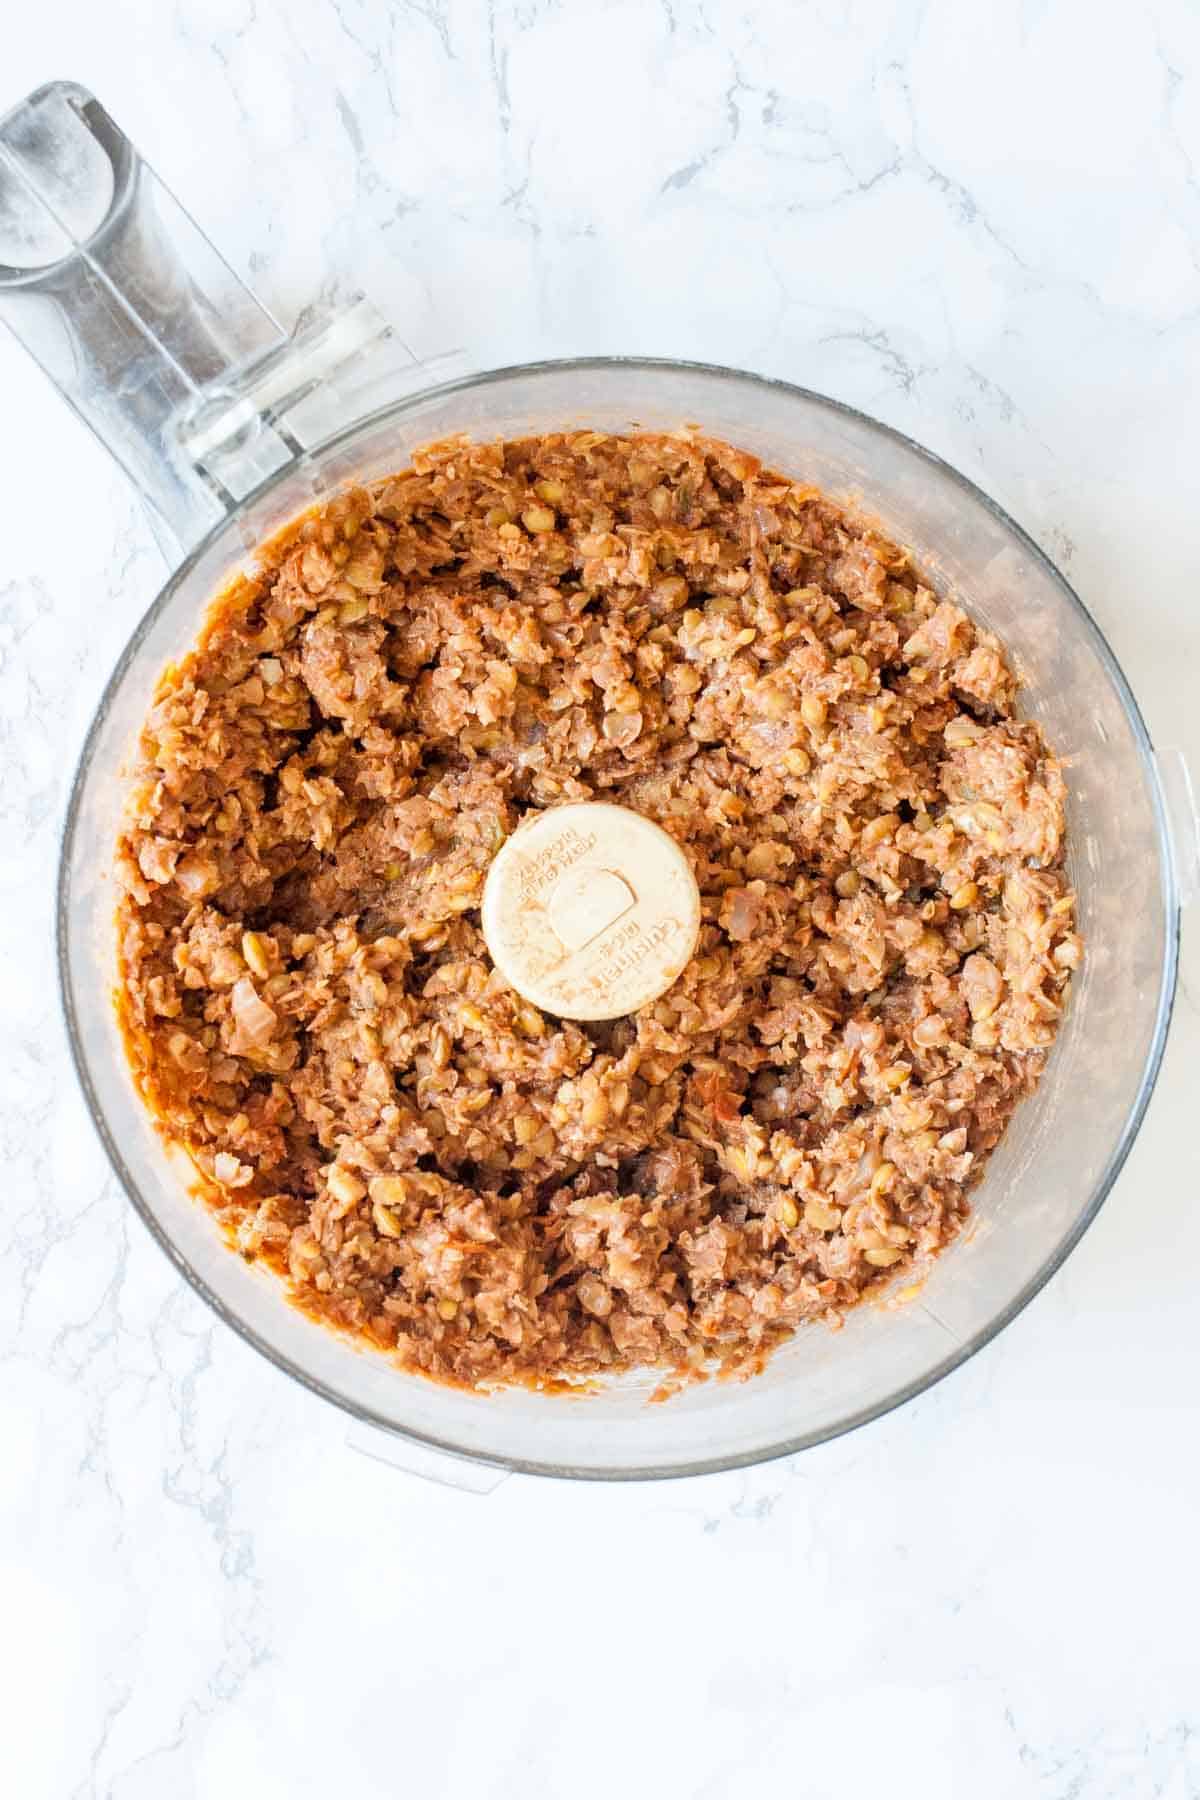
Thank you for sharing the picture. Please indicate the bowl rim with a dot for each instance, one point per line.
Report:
(962, 1352)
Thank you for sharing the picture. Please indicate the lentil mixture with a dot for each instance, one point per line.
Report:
(489, 1192)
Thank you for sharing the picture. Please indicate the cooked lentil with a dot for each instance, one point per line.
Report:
(494, 1194)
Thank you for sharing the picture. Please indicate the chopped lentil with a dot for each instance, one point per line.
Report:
(494, 1194)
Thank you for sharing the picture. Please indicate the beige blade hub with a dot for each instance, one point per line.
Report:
(590, 911)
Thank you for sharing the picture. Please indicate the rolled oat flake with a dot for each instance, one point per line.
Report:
(591, 911)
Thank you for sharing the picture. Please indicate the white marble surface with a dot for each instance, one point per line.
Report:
(981, 223)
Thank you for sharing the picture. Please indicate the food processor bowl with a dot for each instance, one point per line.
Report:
(1066, 1144)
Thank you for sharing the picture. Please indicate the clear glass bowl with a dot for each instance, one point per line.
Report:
(1065, 1146)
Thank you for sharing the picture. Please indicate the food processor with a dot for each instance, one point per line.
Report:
(229, 428)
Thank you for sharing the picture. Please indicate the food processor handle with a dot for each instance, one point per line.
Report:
(151, 338)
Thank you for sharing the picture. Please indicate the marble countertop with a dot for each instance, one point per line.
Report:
(981, 224)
